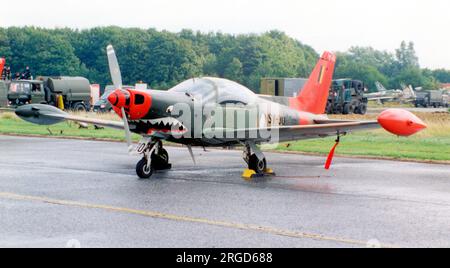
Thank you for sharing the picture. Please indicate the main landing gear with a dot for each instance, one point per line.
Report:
(155, 157)
(257, 164)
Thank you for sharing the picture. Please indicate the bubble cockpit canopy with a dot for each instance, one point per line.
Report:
(218, 90)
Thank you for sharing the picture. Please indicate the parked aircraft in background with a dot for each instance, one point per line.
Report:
(405, 95)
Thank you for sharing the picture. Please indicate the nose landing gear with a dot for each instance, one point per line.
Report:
(155, 157)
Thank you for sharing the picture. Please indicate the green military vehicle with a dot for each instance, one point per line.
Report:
(71, 92)
(3, 94)
(431, 98)
(347, 97)
(284, 87)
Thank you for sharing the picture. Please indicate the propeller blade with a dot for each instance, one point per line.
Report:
(114, 68)
(116, 78)
(127, 131)
(192, 154)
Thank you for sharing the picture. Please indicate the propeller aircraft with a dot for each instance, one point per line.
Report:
(216, 112)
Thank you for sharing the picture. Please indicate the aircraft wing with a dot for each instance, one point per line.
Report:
(321, 129)
(95, 121)
(47, 115)
(396, 121)
(381, 98)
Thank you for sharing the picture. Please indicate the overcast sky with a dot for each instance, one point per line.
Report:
(323, 24)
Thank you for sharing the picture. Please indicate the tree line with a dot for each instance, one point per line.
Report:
(163, 59)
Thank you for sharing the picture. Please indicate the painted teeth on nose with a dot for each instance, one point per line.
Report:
(165, 123)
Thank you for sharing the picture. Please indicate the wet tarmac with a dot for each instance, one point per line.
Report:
(59, 192)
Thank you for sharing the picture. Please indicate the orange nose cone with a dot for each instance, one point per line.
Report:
(117, 98)
(400, 122)
(112, 98)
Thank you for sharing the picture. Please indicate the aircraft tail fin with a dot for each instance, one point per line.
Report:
(2, 64)
(314, 95)
(380, 87)
(408, 93)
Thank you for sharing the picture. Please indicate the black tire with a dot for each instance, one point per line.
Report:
(362, 109)
(346, 108)
(256, 164)
(142, 170)
(79, 107)
(329, 109)
(160, 160)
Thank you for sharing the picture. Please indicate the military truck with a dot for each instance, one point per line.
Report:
(347, 97)
(446, 99)
(71, 92)
(3, 94)
(431, 98)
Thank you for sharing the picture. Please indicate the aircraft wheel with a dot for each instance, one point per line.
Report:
(256, 164)
(160, 161)
(143, 170)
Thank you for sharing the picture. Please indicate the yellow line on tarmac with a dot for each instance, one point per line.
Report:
(160, 215)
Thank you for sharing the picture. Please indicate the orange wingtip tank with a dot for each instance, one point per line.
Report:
(400, 122)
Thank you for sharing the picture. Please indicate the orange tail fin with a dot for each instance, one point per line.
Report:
(313, 97)
(2, 64)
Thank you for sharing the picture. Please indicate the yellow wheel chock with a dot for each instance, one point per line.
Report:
(249, 174)
(269, 171)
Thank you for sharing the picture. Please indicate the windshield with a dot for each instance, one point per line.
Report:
(218, 90)
(20, 88)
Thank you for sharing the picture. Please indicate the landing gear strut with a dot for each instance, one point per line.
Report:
(257, 164)
(155, 157)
